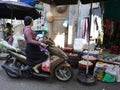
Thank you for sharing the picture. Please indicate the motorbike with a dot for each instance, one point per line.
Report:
(15, 65)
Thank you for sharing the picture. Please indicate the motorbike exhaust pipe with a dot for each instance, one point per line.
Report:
(11, 70)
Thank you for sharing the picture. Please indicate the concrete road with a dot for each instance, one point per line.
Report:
(7, 83)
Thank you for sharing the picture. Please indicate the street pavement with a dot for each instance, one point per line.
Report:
(7, 83)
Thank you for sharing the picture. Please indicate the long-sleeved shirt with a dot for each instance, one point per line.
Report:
(30, 36)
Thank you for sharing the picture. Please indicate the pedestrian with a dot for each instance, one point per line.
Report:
(7, 32)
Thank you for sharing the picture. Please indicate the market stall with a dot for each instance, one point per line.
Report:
(112, 26)
(107, 68)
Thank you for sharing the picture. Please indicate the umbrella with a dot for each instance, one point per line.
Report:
(18, 10)
(60, 2)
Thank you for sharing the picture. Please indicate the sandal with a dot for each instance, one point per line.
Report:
(36, 70)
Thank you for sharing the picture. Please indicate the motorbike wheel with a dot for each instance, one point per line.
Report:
(13, 64)
(63, 73)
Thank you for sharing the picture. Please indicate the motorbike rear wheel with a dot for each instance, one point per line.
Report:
(12, 63)
(63, 73)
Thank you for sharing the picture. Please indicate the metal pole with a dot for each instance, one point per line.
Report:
(87, 68)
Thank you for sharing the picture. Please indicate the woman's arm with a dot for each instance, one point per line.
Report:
(29, 38)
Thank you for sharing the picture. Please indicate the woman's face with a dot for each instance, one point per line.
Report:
(31, 23)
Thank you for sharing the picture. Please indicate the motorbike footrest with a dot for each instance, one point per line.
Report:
(42, 75)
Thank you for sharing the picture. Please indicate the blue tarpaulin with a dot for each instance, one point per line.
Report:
(27, 1)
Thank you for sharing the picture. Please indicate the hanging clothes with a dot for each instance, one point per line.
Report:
(96, 22)
(85, 28)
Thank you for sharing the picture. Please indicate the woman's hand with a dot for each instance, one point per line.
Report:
(43, 44)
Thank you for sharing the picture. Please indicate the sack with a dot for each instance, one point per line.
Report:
(98, 73)
(111, 70)
(46, 65)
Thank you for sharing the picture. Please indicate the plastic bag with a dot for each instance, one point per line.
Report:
(15, 40)
(79, 44)
(117, 69)
(109, 78)
(66, 22)
(7, 45)
(46, 65)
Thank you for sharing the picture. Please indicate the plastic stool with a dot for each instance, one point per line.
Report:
(114, 49)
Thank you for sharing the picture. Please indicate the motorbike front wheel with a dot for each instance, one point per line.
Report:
(63, 73)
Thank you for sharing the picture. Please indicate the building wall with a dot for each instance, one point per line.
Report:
(73, 19)
(56, 29)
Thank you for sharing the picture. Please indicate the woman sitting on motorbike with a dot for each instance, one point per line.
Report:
(33, 53)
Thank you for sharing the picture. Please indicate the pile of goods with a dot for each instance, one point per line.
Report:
(91, 53)
(89, 57)
(83, 64)
(110, 58)
(107, 72)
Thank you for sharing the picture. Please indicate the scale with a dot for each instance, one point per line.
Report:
(87, 78)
